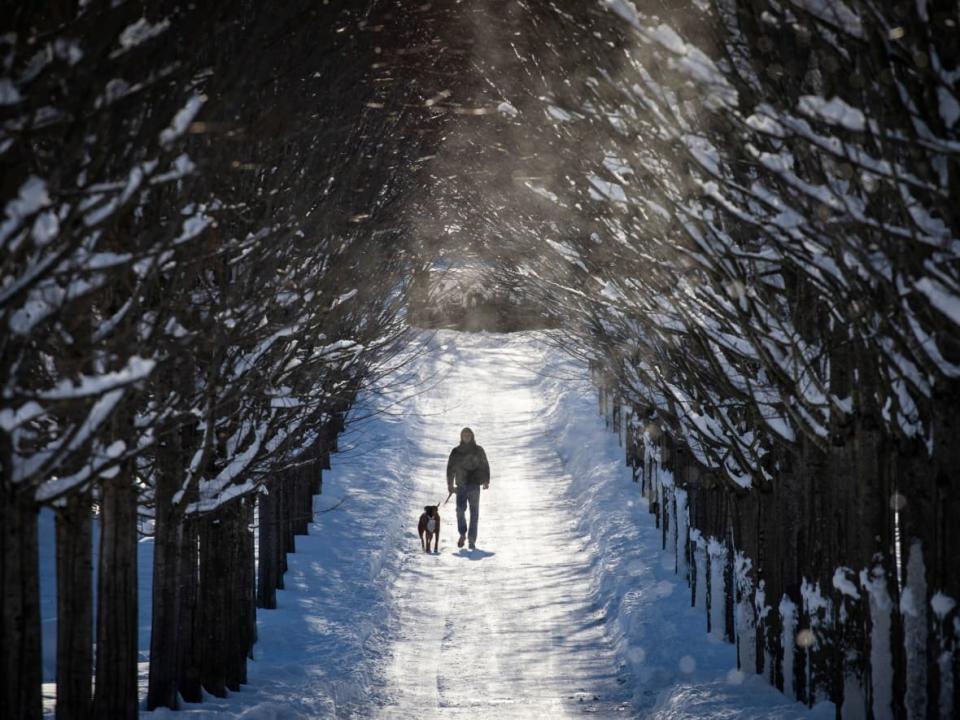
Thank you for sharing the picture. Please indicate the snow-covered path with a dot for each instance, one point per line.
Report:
(510, 629)
(568, 607)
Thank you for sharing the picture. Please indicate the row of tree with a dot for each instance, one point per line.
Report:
(204, 256)
(748, 211)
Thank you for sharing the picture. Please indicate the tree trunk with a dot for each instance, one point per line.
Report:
(304, 500)
(167, 554)
(316, 477)
(188, 632)
(75, 609)
(289, 482)
(241, 595)
(943, 568)
(212, 605)
(268, 519)
(247, 575)
(20, 652)
(235, 650)
(252, 597)
(283, 540)
(115, 694)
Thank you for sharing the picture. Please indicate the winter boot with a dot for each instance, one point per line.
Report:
(461, 540)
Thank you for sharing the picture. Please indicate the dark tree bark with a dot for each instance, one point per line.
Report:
(944, 537)
(268, 520)
(252, 569)
(167, 555)
(283, 542)
(188, 632)
(212, 604)
(235, 601)
(289, 503)
(75, 609)
(302, 502)
(280, 547)
(249, 582)
(20, 651)
(115, 694)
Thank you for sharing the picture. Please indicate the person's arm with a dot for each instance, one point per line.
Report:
(450, 471)
(484, 469)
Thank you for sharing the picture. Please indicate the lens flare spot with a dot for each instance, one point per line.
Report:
(806, 638)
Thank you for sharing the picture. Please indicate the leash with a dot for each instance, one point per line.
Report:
(448, 498)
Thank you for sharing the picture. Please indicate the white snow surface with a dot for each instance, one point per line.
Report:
(9, 94)
(567, 606)
(141, 31)
(834, 111)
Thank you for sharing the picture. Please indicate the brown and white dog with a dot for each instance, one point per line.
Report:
(429, 527)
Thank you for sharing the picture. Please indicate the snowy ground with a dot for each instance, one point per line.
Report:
(565, 608)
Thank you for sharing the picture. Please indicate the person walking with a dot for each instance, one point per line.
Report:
(468, 471)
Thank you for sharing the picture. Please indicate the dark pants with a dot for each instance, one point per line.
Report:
(469, 494)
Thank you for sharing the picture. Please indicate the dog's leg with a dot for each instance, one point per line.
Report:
(422, 544)
(429, 538)
(436, 537)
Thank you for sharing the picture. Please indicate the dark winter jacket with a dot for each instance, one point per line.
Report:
(467, 465)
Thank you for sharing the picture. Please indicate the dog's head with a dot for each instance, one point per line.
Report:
(431, 510)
